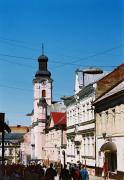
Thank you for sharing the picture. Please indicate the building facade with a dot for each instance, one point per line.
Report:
(81, 128)
(55, 138)
(25, 149)
(42, 97)
(12, 144)
(43, 105)
(81, 120)
(109, 108)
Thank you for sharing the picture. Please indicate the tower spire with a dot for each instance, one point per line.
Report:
(42, 49)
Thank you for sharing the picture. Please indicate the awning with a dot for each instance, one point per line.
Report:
(109, 146)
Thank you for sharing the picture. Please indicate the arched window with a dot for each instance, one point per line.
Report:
(43, 93)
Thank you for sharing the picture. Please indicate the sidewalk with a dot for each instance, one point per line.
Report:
(96, 178)
(90, 178)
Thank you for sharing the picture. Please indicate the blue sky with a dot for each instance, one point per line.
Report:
(75, 33)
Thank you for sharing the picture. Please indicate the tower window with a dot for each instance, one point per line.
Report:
(43, 93)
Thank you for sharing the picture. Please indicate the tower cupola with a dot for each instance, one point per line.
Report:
(43, 71)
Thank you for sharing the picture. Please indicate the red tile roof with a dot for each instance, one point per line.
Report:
(59, 118)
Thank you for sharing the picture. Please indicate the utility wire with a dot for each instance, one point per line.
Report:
(94, 55)
(27, 47)
(32, 67)
(11, 87)
(21, 89)
(19, 64)
(18, 57)
(64, 64)
(72, 63)
(22, 46)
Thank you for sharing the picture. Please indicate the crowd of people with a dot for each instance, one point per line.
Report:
(41, 172)
(74, 172)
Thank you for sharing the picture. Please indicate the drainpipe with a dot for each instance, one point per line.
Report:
(62, 136)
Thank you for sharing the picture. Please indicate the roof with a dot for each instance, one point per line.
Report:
(116, 69)
(12, 136)
(109, 81)
(116, 89)
(43, 57)
(84, 92)
(19, 129)
(56, 107)
(59, 118)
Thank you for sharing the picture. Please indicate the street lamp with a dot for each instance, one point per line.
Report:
(63, 152)
(90, 71)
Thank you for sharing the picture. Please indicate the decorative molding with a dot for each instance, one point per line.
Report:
(68, 155)
(81, 124)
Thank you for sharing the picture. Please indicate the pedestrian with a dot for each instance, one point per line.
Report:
(50, 173)
(76, 172)
(84, 173)
(64, 174)
(105, 171)
(16, 175)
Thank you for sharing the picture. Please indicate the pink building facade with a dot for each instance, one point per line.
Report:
(41, 116)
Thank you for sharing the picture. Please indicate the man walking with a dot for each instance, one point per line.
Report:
(50, 173)
(64, 174)
(84, 173)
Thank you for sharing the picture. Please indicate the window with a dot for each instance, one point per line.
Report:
(84, 146)
(83, 111)
(88, 146)
(43, 93)
(10, 151)
(5, 151)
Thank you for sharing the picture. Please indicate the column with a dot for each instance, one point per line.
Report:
(103, 120)
(110, 128)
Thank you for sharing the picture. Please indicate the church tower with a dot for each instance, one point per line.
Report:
(42, 97)
(43, 81)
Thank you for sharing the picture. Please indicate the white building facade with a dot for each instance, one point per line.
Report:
(81, 128)
(81, 121)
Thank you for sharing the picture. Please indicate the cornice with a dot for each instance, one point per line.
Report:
(82, 124)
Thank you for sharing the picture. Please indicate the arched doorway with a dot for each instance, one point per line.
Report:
(110, 155)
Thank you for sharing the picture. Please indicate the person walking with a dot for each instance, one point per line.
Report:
(64, 174)
(84, 173)
(50, 173)
(76, 172)
(105, 171)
